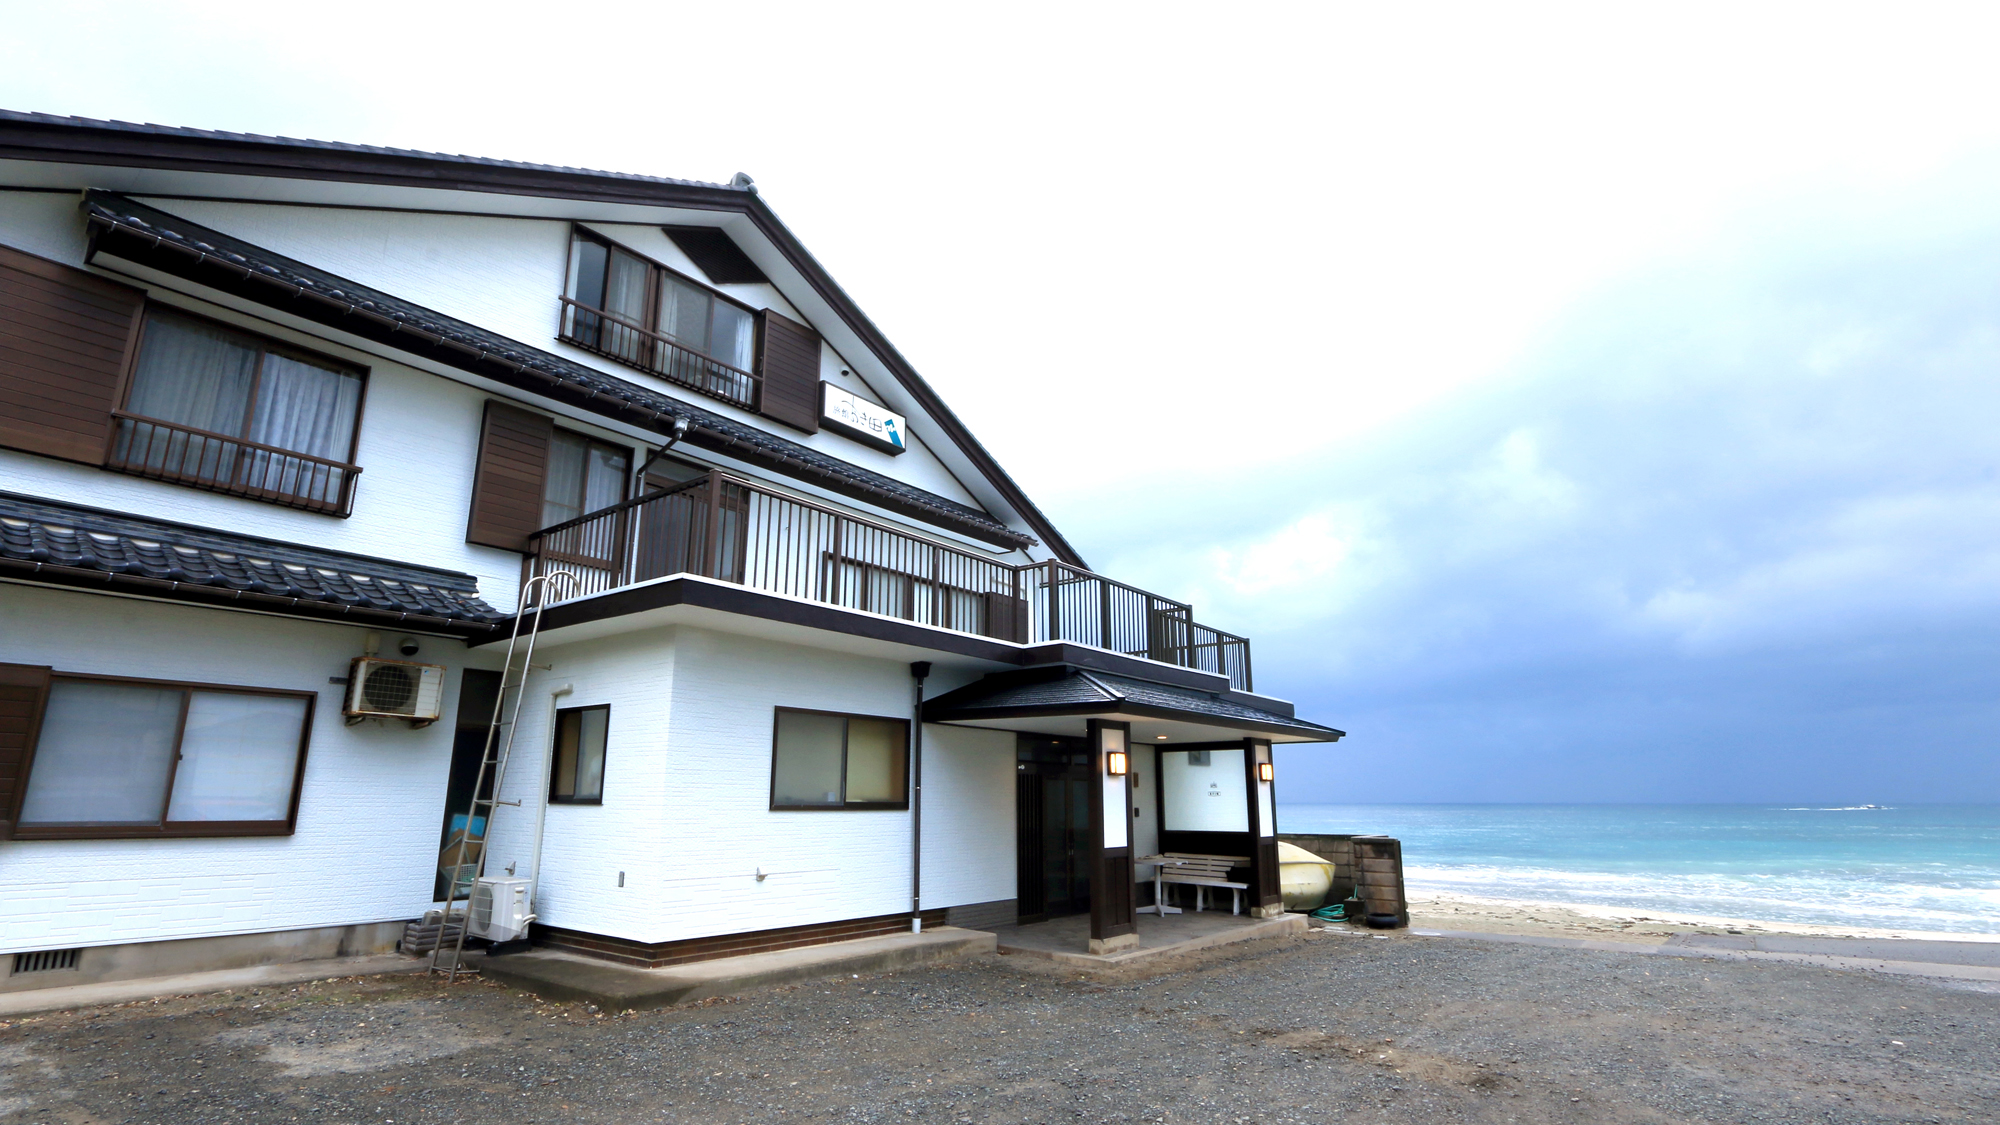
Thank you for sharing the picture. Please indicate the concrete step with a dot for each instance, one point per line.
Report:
(555, 975)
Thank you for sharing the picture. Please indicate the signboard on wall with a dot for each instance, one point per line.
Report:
(845, 412)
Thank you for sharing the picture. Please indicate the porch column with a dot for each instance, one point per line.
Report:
(1114, 921)
(1267, 898)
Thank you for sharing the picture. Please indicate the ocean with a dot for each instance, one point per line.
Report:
(1922, 867)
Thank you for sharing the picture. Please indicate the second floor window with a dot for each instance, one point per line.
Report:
(641, 313)
(222, 409)
(583, 476)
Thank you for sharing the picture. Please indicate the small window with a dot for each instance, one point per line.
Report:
(139, 758)
(231, 412)
(822, 760)
(578, 776)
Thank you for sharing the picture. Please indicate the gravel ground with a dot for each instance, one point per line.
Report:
(1400, 1030)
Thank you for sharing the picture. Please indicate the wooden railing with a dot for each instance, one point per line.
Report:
(721, 526)
(627, 341)
(149, 447)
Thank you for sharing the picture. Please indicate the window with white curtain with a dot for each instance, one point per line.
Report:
(236, 408)
(645, 314)
(141, 757)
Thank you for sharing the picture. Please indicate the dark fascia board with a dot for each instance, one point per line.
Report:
(371, 315)
(1122, 707)
(48, 139)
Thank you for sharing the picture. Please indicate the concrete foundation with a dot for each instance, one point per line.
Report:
(566, 976)
(104, 963)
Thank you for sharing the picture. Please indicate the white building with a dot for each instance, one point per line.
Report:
(270, 406)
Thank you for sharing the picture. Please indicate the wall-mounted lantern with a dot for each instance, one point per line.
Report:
(1116, 763)
(1264, 771)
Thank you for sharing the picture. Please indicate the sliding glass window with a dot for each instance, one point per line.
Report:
(210, 406)
(639, 312)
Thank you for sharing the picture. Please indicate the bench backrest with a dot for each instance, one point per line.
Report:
(1202, 866)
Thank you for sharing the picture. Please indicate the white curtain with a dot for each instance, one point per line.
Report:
(238, 757)
(309, 409)
(191, 374)
(104, 754)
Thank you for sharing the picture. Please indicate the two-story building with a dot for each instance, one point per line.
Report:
(287, 426)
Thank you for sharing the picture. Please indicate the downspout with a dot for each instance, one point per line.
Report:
(556, 695)
(918, 671)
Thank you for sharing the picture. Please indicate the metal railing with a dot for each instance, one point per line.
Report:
(149, 447)
(628, 341)
(724, 527)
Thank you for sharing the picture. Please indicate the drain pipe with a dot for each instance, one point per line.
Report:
(919, 670)
(556, 696)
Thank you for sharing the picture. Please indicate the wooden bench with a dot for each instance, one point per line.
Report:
(1200, 872)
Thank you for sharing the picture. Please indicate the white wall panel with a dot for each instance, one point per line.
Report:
(969, 827)
(366, 845)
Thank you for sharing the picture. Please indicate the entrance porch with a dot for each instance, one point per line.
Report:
(1125, 784)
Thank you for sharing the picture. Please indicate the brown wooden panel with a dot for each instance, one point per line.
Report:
(23, 690)
(66, 338)
(513, 469)
(788, 368)
(1007, 618)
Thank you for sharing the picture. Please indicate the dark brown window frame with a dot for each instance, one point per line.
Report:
(555, 735)
(181, 830)
(616, 534)
(845, 805)
(266, 345)
(650, 327)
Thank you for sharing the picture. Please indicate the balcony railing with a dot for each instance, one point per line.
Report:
(720, 526)
(626, 341)
(149, 447)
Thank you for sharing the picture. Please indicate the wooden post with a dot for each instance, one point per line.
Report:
(1267, 898)
(1114, 918)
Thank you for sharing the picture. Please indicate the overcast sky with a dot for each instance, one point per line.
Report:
(1572, 403)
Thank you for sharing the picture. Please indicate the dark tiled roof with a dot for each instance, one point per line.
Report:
(1077, 690)
(74, 538)
(469, 346)
(151, 130)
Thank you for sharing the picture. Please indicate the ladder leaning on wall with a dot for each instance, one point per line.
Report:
(469, 863)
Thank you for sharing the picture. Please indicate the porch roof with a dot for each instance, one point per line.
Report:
(72, 545)
(1052, 700)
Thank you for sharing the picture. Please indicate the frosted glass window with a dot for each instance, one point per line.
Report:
(875, 758)
(239, 755)
(1206, 797)
(578, 777)
(104, 754)
(807, 766)
(124, 758)
(823, 761)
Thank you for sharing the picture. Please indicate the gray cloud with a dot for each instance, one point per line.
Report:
(1731, 533)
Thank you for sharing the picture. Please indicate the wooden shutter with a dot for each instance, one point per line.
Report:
(23, 690)
(513, 469)
(66, 338)
(788, 365)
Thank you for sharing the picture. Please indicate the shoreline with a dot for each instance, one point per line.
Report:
(1445, 910)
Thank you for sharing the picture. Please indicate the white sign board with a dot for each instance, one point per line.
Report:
(848, 413)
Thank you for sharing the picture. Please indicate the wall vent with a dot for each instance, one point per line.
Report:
(45, 960)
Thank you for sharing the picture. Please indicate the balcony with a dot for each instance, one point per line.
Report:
(148, 447)
(628, 342)
(723, 527)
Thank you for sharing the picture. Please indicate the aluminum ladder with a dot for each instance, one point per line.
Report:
(493, 758)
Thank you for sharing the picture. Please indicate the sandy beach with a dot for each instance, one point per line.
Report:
(1440, 911)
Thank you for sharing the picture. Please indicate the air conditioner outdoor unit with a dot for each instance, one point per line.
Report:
(499, 909)
(394, 689)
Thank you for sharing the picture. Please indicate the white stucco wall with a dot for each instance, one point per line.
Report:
(366, 845)
(686, 811)
(969, 825)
